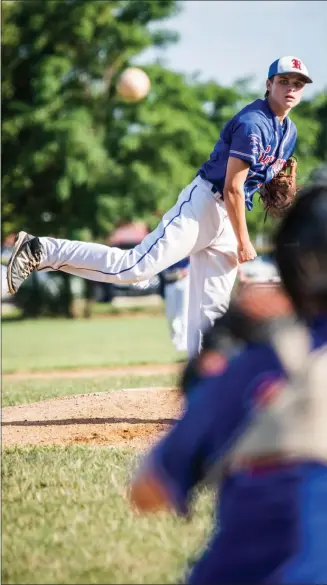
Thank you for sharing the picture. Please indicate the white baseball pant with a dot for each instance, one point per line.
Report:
(176, 307)
(197, 226)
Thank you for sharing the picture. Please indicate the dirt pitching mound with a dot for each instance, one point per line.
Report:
(131, 417)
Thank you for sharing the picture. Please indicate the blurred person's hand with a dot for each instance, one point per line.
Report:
(264, 301)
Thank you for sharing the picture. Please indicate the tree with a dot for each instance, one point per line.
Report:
(54, 53)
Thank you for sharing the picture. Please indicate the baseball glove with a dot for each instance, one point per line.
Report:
(279, 194)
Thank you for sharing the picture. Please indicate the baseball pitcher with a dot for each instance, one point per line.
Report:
(208, 221)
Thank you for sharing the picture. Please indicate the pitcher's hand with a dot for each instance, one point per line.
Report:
(246, 252)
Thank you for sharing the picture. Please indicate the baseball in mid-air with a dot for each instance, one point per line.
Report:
(133, 84)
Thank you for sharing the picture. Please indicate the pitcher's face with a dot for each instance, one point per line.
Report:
(286, 90)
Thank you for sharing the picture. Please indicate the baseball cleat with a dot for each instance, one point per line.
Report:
(25, 258)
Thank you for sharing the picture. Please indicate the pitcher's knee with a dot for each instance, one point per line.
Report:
(135, 275)
(143, 272)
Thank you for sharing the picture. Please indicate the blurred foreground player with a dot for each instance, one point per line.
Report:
(255, 423)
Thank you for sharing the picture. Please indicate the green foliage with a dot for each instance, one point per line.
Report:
(56, 160)
(310, 117)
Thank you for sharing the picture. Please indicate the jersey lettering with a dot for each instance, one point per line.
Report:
(296, 64)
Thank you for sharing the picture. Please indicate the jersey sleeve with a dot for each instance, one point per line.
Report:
(247, 142)
(219, 410)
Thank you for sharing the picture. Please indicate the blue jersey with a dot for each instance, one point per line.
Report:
(264, 519)
(256, 136)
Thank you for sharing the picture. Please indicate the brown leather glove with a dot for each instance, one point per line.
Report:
(279, 194)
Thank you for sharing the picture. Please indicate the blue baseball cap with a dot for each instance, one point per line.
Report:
(289, 64)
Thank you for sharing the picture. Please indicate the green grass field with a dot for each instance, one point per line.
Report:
(26, 391)
(47, 344)
(65, 514)
(66, 519)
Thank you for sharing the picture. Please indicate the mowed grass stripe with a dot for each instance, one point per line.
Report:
(49, 344)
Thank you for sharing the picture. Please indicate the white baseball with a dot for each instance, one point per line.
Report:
(133, 84)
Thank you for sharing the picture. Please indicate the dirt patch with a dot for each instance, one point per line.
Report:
(132, 369)
(131, 417)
